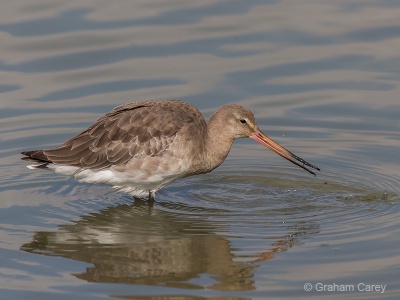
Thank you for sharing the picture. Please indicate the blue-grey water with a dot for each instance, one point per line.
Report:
(323, 79)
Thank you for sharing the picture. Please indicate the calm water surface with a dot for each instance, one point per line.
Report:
(323, 80)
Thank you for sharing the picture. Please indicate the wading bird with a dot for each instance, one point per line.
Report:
(141, 147)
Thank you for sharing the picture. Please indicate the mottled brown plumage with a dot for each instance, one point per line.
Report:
(142, 146)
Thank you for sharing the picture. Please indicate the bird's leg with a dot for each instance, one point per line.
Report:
(151, 198)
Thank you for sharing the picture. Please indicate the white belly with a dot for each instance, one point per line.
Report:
(136, 180)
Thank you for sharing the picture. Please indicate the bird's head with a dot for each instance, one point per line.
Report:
(234, 121)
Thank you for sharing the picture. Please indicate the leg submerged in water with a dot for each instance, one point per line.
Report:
(151, 198)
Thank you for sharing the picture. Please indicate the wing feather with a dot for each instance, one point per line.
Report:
(130, 130)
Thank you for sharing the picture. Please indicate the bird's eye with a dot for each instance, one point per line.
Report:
(243, 121)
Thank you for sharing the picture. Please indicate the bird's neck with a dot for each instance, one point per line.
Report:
(217, 145)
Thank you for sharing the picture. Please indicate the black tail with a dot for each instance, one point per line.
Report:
(36, 155)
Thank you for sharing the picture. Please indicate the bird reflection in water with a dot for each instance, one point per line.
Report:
(136, 244)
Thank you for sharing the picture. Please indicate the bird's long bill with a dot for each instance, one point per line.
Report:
(260, 137)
